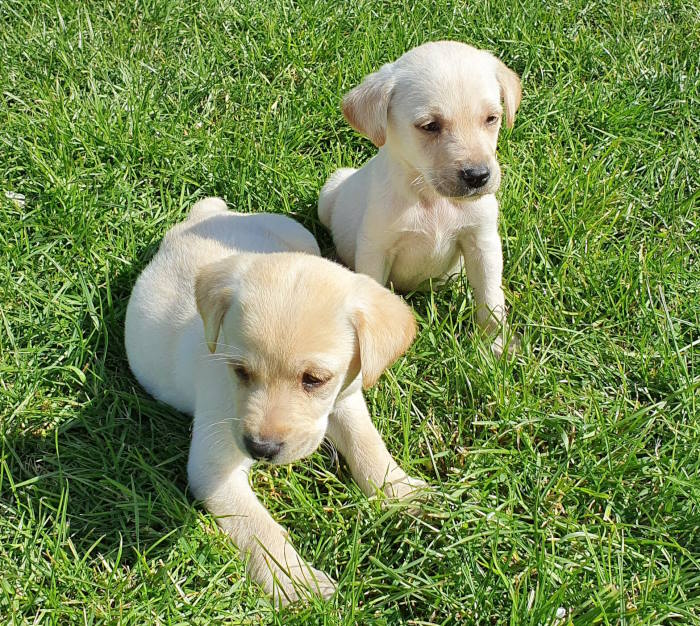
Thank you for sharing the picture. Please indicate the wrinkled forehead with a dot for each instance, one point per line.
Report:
(448, 87)
(287, 327)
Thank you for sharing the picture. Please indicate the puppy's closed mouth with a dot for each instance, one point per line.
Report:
(470, 193)
(468, 182)
(455, 192)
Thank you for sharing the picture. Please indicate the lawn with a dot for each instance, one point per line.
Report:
(566, 480)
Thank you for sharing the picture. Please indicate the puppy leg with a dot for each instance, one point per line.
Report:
(353, 433)
(272, 560)
(372, 261)
(483, 262)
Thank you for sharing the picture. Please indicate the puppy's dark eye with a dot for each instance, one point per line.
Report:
(431, 127)
(241, 372)
(491, 120)
(310, 382)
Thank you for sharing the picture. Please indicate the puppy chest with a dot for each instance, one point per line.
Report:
(421, 255)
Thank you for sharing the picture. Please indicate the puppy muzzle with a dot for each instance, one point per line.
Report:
(261, 449)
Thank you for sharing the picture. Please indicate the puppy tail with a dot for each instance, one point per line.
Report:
(206, 207)
(329, 192)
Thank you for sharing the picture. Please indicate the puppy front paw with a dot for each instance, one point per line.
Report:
(290, 579)
(298, 583)
(406, 489)
(509, 345)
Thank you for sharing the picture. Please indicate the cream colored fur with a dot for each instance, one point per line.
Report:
(237, 321)
(408, 216)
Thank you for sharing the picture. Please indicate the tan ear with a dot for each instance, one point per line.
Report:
(385, 329)
(214, 292)
(510, 91)
(365, 107)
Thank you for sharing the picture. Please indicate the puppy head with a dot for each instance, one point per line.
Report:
(438, 110)
(294, 331)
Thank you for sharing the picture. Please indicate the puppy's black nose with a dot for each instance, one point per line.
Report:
(261, 449)
(475, 177)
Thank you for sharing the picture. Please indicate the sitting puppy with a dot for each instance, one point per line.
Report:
(238, 322)
(425, 203)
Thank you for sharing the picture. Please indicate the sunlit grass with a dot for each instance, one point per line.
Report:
(566, 481)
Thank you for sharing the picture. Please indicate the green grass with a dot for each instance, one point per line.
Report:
(566, 478)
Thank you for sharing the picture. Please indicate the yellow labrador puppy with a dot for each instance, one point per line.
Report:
(425, 203)
(237, 321)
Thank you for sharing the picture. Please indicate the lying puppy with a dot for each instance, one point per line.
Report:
(425, 203)
(274, 361)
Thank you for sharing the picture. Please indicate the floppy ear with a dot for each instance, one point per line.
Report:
(214, 292)
(510, 91)
(385, 328)
(365, 107)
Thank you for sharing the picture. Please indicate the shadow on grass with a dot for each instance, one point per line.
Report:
(112, 476)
